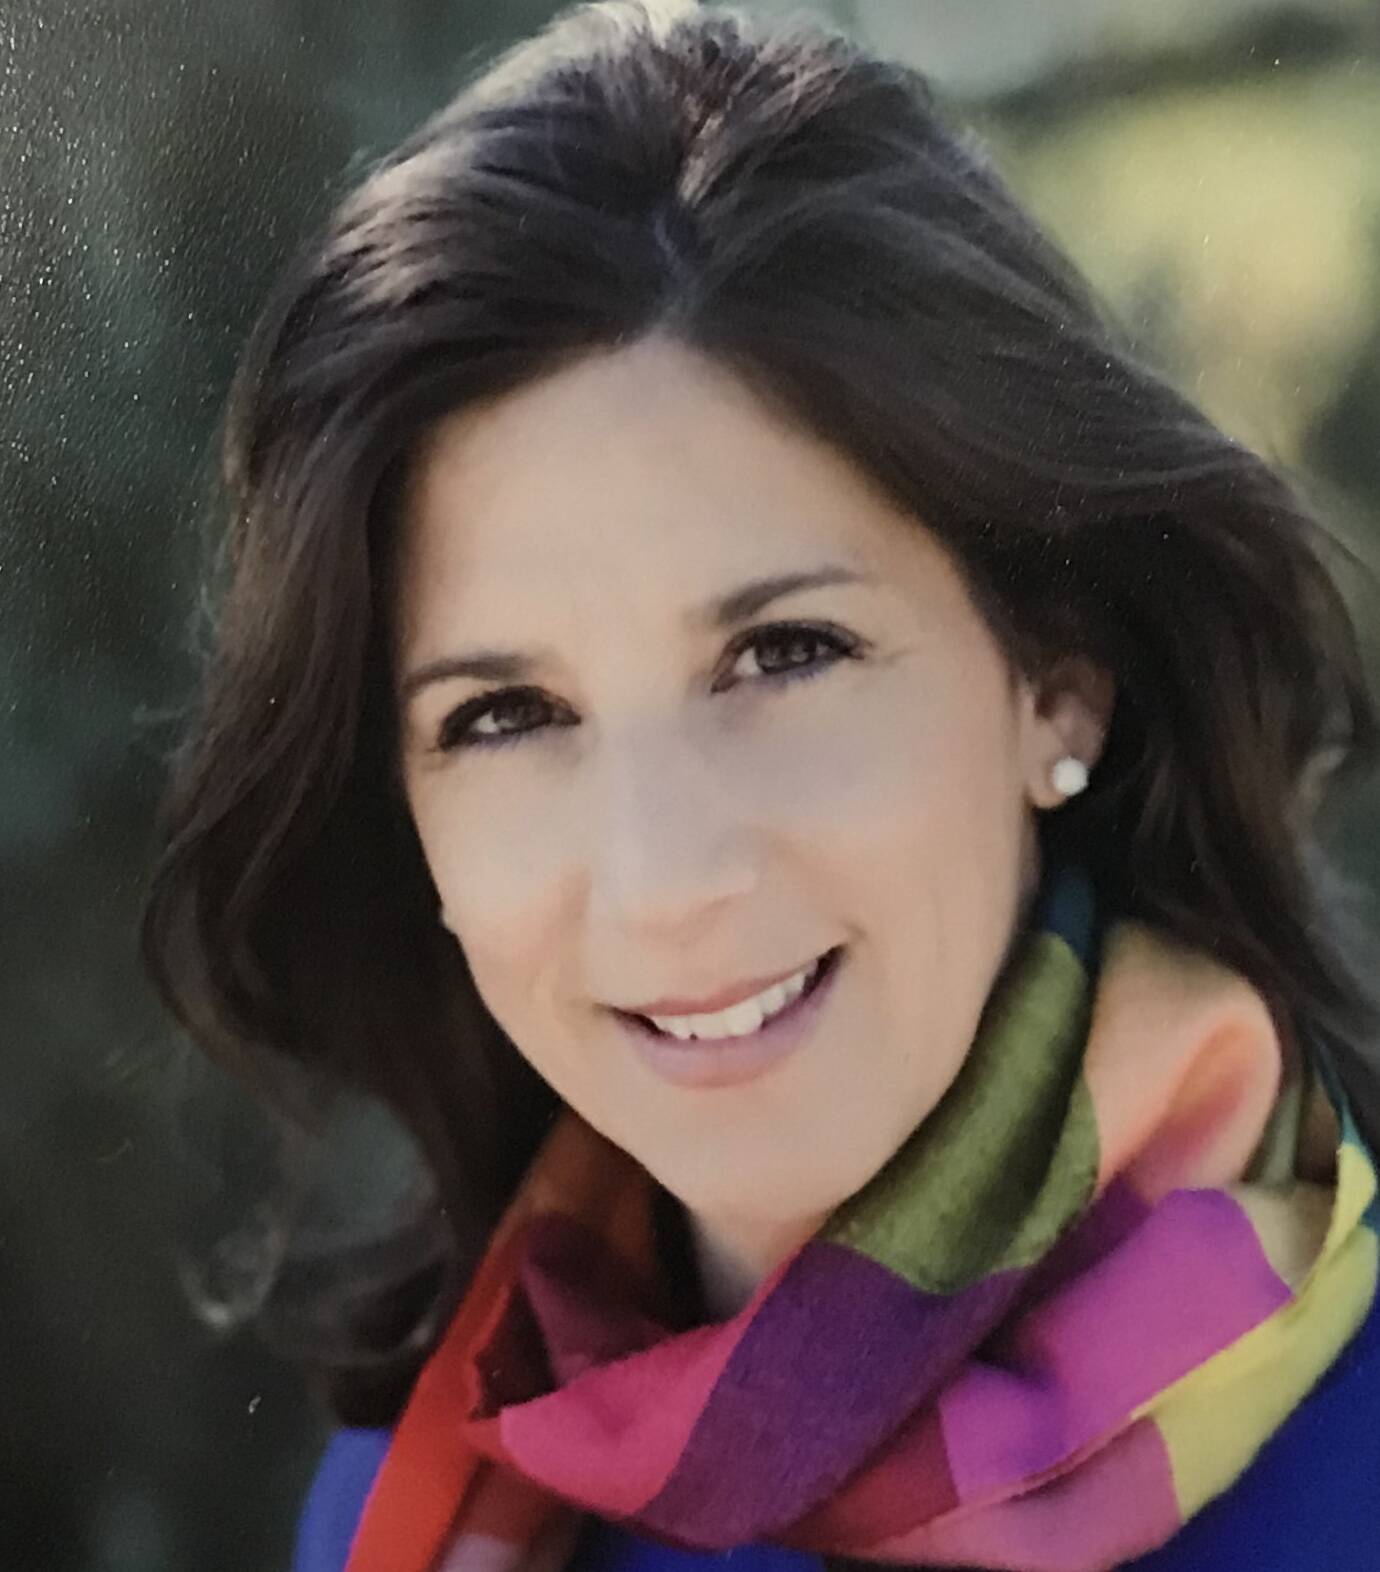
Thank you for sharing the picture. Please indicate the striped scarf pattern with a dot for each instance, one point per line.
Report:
(1063, 1317)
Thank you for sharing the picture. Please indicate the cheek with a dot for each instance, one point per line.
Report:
(495, 865)
(911, 761)
(489, 841)
(920, 807)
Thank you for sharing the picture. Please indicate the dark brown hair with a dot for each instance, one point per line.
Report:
(782, 202)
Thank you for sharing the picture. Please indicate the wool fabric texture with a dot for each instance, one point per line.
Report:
(1064, 1317)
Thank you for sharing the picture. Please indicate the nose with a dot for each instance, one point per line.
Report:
(669, 839)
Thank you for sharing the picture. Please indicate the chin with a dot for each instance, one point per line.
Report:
(770, 1197)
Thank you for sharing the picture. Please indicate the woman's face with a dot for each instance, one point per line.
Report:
(638, 800)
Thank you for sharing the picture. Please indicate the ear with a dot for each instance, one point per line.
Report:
(1067, 713)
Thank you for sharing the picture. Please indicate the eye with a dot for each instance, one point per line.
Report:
(487, 721)
(785, 651)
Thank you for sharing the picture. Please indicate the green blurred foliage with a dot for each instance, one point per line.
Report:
(1232, 225)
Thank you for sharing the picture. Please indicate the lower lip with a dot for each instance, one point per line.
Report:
(729, 1061)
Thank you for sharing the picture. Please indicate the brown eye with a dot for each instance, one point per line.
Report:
(493, 719)
(785, 651)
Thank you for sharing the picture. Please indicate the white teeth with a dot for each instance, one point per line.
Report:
(740, 1019)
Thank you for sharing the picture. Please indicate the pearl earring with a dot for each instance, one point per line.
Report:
(1069, 776)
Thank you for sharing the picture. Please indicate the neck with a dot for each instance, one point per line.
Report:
(733, 1256)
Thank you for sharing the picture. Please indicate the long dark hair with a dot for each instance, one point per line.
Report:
(781, 201)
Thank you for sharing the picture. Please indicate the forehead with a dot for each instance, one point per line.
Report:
(648, 470)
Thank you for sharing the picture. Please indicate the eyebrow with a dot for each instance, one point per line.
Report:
(724, 611)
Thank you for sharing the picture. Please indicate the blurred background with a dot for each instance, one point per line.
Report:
(1212, 165)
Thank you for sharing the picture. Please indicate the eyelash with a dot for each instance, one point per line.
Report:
(455, 730)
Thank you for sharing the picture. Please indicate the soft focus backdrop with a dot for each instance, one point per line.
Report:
(1214, 167)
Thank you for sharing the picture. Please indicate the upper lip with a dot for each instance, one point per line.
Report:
(714, 1002)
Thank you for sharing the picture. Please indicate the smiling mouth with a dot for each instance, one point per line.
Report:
(823, 968)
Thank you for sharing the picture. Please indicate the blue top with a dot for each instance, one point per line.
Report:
(1308, 1501)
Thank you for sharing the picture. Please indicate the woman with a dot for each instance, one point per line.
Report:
(787, 757)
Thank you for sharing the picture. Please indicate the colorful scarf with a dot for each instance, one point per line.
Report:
(1062, 1318)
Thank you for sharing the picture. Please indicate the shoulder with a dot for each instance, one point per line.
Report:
(1307, 1500)
(346, 1473)
(336, 1499)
